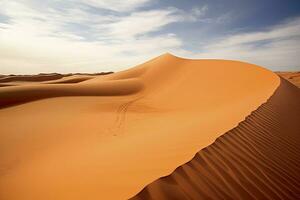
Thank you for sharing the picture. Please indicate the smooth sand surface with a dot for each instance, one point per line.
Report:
(109, 136)
(259, 159)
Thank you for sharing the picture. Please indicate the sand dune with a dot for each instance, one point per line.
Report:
(39, 77)
(43, 77)
(31, 92)
(259, 159)
(109, 136)
(293, 77)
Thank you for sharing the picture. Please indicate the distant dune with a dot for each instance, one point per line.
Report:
(39, 77)
(42, 77)
(293, 77)
(122, 135)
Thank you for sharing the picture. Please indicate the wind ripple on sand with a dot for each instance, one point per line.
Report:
(259, 159)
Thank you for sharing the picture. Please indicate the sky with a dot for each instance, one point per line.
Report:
(112, 35)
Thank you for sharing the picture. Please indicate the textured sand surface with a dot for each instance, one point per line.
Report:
(293, 77)
(259, 159)
(107, 137)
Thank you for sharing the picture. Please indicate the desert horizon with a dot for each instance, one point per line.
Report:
(291, 76)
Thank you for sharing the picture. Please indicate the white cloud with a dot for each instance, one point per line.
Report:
(115, 5)
(59, 55)
(276, 47)
(51, 36)
(44, 37)
(37, 38)
(282, 31)
(140, 23)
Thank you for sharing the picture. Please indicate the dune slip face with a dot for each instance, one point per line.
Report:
(108, 137)
(259, 159)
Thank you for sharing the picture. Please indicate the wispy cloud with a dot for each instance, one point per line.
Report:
(76, 38)
(140, 23)
(279, 32)
(277, 47)
(115, 5)
(98, 35)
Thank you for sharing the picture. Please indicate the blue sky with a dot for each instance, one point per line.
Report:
(112, 35)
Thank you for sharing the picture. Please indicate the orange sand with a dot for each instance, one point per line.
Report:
(258, 159)
(108, 137)
(293, 77)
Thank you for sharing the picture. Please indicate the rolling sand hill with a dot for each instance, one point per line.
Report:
(15, 80)
(108, 137)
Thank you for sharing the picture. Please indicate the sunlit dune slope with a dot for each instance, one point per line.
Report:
(108, 137)
(258, 159)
